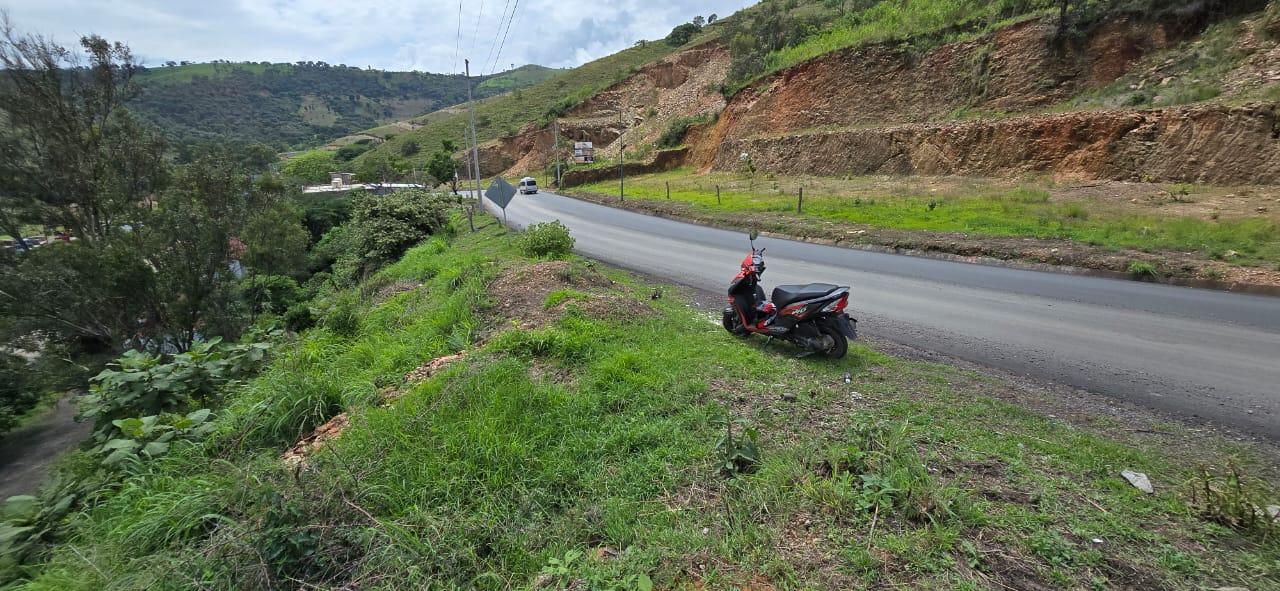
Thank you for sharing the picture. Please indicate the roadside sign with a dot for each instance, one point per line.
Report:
(500, 192)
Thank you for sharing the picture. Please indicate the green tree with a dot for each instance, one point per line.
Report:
(258, 157)
(380, 167)
(310, 167)
(682, 34)
(443, 168)
(92, 294)
(385, 226)
(409, 148)
(70, 155)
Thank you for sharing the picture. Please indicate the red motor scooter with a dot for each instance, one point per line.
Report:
(811, 316)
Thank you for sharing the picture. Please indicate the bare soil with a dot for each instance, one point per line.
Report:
(522, 293)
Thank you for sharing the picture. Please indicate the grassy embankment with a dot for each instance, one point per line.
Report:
(578, 439)
(921, 23)
(980, 208)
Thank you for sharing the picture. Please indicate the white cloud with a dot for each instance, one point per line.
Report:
(389, 34)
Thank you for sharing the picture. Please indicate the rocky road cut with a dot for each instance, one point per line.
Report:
(1200, 354)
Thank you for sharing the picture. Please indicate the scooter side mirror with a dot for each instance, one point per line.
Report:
(753, 235)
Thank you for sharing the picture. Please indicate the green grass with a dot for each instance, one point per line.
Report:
(518, 78)
(1024, 211)
(547, 444)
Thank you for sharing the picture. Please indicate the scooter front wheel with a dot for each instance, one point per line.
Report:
(733, 324)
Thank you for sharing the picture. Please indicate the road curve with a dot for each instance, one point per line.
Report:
(1202, 354)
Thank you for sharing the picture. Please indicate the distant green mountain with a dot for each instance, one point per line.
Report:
(296, 105)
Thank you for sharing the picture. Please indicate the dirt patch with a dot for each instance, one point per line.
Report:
(1015, 69)
(1208, 143)
(27, 452)
(642, 106)
(430, 368)
(296, 456)
(394, 288)
(523, 294)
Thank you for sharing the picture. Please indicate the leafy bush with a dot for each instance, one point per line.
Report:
(25, 524)
(682, 34)
(310, 167)
(880, 470)
(149, 437)
(271, 294)
(679, 128)
(298, 318)
(1234, 500)
(343, 314)
(409, 148)
(17, 393)
(546, 239)
(384, 227)
(142, 384)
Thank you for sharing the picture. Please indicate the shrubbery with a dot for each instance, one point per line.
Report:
(386, 226)
(546, 239)
(682, 34)
(311, 167)
(143, 384)
(679, 128)
(17, 394)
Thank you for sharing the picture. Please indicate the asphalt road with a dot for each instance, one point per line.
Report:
(1197, 353)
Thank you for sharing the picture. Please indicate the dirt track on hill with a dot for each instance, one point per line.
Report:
(26, 453)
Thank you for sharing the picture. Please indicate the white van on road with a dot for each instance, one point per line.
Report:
(528, 185)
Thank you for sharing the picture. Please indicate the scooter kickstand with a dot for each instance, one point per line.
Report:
(768, 342)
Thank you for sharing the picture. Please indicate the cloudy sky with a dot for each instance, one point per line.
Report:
(388, 34)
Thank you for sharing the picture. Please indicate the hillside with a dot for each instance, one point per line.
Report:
(508, 114)
(294, 105)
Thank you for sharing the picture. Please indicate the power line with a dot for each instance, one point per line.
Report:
(484, 65)
(457, 40)
(476, 31)
(498, 57)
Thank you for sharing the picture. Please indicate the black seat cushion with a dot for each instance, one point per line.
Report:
(786, 294)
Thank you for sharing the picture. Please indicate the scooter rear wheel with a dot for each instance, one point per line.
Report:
(840, 344)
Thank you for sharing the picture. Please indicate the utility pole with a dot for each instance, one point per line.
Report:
(555, 151)
(622, 149)
(475, 140)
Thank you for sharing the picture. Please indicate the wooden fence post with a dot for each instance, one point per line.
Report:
(668, 190)
(800, 202)
(717, 194)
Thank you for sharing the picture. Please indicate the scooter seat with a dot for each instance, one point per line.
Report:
(784, 295)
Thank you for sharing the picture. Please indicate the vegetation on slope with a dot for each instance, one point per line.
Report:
(596, 438)
(506, 114)
(292, 105)
(777, 34)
